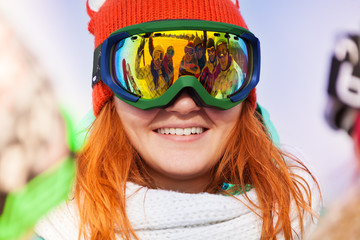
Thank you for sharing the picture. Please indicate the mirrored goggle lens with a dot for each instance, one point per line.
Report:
(141, 64)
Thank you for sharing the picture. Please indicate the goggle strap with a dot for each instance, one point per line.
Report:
(96, 75)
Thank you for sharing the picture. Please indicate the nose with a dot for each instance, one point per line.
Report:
(183, 105)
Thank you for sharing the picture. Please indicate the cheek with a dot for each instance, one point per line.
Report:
(224, 122)
(135, 121)
(224, 118)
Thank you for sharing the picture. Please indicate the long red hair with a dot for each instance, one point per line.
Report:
(108, 161)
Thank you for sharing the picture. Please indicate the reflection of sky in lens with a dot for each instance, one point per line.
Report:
(242, 45)
(118, 62)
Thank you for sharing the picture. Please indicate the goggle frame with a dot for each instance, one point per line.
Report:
(101, 65)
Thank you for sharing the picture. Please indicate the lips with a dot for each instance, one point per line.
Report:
(181, 131)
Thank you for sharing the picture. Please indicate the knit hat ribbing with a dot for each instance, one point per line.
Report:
(107, 16)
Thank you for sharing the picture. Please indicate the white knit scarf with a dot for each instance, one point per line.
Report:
(161, 214)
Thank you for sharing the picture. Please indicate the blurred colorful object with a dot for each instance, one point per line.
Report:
(36, 163)
(340, 220)
(344, 83)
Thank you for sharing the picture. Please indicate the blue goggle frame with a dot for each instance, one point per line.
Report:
(101, 70)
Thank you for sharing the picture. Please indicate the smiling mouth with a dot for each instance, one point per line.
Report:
(181, 131)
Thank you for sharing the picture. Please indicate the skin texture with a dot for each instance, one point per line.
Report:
(180, 163)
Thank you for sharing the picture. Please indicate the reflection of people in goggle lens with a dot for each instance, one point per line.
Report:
(225, 70)
(189, 64)
(207, 76)
(189, 51)
(222, 54)
(169, 64)
(170, 51)
(200, 52)
(237, 88)
(211, 51)
(154, 71)
(145, 152)
(158, 57)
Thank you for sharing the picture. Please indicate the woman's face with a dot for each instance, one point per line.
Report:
(181, 143)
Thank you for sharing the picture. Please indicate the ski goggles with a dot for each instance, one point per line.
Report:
(147, 65)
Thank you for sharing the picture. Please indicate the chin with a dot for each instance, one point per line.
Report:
(183, 168)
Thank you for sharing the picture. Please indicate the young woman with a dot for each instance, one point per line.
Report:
(187, 164)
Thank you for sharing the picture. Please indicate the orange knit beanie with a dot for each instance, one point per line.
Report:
(107, 16)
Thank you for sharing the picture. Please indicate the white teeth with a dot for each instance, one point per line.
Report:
(181, 131)
(187, 131)
(193, 130)
(198, 130)
(172, 131)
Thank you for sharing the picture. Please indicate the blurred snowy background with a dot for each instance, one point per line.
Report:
(297, 41)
